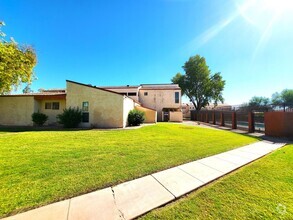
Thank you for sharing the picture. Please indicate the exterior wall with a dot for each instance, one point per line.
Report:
(128, 105)
(186, 110)
(16, 110)
(159, 99)
(176, 116)
(279, 124)
(150, 115)
(126, 91)
(52, 113)
(105, 108)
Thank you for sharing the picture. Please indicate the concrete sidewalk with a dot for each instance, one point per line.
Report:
(134, 198)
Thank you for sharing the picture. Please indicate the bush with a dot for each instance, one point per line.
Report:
(135, 118)
(39, 118)
(70, 118)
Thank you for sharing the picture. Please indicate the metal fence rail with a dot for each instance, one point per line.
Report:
(249, 121)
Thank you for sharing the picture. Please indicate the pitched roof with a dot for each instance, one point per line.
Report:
(94, 87)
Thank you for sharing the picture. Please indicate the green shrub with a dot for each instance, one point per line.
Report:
(70, 118)
(39, 118)
(135, 117)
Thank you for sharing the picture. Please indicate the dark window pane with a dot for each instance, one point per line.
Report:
(48, 105)
(132, 94)
(145, 93)
(176, 97)
(55, 105)
(85, 117)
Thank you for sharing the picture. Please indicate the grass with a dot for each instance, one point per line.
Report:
(40, 167)
(261, 190)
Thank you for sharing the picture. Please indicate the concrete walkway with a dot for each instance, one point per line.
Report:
(134, 198)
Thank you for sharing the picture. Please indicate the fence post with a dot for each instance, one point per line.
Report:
(251, 127)
(214, 117)
(222, 120)
(234, 120)
(207, 117)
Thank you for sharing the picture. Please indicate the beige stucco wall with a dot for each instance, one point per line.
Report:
(159, 99)
(186, 110)
(16, 110)
(127, 107)
(150, 115)
(176, 116)
(51, 113)
(126, 91)
(105, 108)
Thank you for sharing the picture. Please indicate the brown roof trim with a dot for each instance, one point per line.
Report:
(158, 84)
(119, 87)
(160, 89)
(94, 87)
(50, 97)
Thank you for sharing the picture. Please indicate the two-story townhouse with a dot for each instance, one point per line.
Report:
(164, 98)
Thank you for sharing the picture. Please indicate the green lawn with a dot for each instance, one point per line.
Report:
(261, 190)
(40, 167)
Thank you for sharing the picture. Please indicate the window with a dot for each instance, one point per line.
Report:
(145, 93)
(85, 113)
(55, 105)
(48, 105)
(85, 106)
(132, 94)
(52, 105)
(176, 97)
(85, 117)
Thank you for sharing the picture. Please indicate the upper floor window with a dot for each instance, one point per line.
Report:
(85, 106)
(176, 97)
(145, 93)
(132, 94)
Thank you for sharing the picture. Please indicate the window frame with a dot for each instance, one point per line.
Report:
(177, 99)
(55, 105)
(85, 108)
(85, 117)
(48, 105)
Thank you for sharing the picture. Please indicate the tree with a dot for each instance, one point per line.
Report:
(259, 103)
(277, 99)
(16, 63)
(198, 84)
(27, 89)
(285, 97)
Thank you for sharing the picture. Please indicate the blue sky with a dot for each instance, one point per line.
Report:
(147, 41)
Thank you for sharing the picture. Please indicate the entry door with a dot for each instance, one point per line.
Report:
(166, 116)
